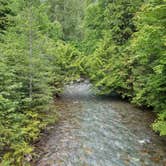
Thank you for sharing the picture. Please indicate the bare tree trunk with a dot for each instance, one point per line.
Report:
(30, 53)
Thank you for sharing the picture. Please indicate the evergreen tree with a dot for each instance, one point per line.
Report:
(129, 59)
(69, 14)
(111, 52)
(4, 12)
(26, 92)
(149, 70)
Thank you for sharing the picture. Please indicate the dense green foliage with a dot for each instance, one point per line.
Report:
(69, 13)
(150, 60)
(4, 11)
(122, 47)
(34, 66)
(129, 56)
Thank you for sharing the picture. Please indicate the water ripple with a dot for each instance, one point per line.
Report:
(102, 132)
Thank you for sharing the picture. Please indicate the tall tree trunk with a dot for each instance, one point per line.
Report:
(30, 52)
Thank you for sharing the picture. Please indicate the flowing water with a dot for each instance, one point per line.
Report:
(101, 132)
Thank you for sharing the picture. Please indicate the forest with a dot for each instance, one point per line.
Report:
(120, 46)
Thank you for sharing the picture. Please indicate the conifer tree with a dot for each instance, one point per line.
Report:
(25, 90)
(70, 14)
(4, 11)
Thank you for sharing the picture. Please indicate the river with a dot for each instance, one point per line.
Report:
(100, 131)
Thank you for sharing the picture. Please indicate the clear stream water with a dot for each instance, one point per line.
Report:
(100, 132)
